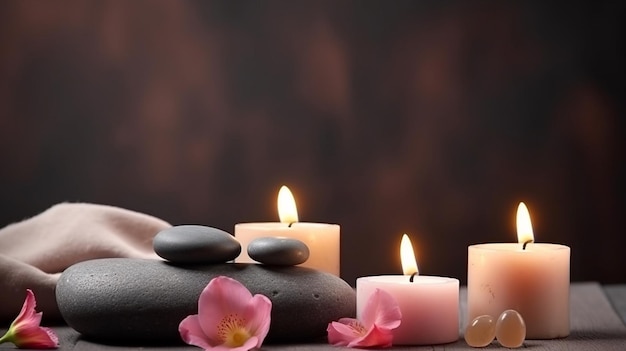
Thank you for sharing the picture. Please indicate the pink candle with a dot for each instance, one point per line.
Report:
(429, 304)
(531, 278)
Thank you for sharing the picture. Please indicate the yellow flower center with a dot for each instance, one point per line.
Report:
(232, 331)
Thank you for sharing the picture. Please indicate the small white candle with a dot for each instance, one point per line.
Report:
(429, 304)
(322, 239)
(531, 278)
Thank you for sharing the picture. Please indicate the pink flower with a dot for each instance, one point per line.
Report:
(380, 316)
(25, 331)
(229, 318)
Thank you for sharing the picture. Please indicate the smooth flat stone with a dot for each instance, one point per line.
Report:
(481, 331)
(510, 329)
(117, 300)
(196, 244)
(278, 251)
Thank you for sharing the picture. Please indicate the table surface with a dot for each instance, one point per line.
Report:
(597, 315)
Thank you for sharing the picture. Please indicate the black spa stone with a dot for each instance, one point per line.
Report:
(123, 300)
(278, 251)
(196, 244)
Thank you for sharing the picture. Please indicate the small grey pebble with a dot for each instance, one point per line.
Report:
(278, 251)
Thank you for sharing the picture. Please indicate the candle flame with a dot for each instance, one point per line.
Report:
(524, 226)
(287, 211)
(407, 256)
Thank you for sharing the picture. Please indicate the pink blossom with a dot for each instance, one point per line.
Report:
(229, 318)
(25, 331)
(380, 316)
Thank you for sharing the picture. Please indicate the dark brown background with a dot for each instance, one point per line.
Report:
(433, 118)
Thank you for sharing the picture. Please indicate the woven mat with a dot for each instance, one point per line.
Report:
(594, 326)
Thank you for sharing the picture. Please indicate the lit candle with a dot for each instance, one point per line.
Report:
(322, 239)
(429, 304)
(530, 278)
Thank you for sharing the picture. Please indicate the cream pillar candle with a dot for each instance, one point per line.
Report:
(322, 239)
(528, 277)
(429, 304)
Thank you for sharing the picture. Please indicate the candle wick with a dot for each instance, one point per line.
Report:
(290, 224)
(525, 243)
(412, 277)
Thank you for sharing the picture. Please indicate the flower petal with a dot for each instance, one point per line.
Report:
(27, 315)
(36, 338)
(25, 331)
(248, 345)
(229, 318)
(380, 315)
(382, 310)
(258, 317)
(344, 332)
(222, 297)
(191, 332)
(379, 337)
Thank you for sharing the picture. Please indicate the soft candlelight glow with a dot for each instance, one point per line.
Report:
(524, 226)
(531, 279)
(407, 256)
(287, 211)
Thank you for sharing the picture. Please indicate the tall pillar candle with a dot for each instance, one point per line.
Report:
(322, 239)
(531, 278)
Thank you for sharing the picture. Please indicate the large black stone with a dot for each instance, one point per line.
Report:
(133, 300)
(196, 244)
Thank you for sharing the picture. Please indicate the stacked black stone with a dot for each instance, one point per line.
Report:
(123, 300)
(196, 244)
(278, 251)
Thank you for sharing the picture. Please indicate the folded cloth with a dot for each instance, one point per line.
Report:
(34, 252)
